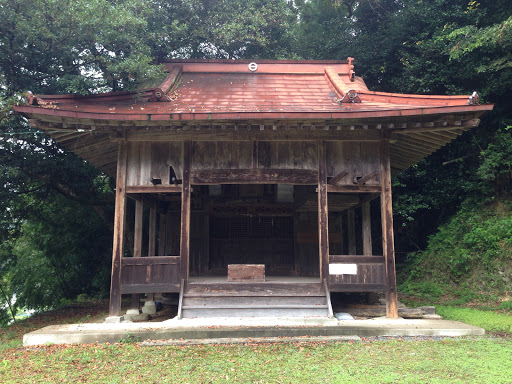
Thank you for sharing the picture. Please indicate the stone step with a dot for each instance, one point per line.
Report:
(256, 311)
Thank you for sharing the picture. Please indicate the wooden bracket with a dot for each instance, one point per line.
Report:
(340, 176)
(364, 179)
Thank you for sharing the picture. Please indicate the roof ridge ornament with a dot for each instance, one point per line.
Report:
(351, 73)
(350, 97)
(344, 90)
(474, 99)
(159, 95)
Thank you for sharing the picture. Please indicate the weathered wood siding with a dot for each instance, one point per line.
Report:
(359, 159)
(222, 155)
(153, 160)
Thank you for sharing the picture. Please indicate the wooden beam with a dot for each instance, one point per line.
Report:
(367, 229)
(185, 212)
(119, 222)
(254, 176)
(353, 188)
(358, 259)
(387, 231)
(340, 176)
(351, 229)
(250, 135)
(323, 224)
(153, 189)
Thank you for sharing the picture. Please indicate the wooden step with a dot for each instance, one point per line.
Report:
(223, 300)
(213, 300)
(258, 288)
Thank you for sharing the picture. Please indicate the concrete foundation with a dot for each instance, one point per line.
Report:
(211, 328)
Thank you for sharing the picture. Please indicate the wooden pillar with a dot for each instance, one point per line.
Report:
(162, 238)
(185, 212)
(351, 229)
(152, 231)
(342, 240)
(367, 229)
(169, 234)
(323, 224)
(137, 244)
(119, 221)
(387, 230)
(151, 242)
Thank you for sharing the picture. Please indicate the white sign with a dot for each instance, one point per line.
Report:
(342, 269)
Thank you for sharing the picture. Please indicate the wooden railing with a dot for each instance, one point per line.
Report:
(150, 274)
(368, 275)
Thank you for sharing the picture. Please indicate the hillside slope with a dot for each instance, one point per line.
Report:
(468, 259)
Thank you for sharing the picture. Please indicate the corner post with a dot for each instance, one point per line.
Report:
(388, 246)
(114, 309)
(185, 212)
(323, 224)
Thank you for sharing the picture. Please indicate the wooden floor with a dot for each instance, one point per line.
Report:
(268, 279)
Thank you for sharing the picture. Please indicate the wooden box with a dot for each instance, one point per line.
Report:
(246, 272)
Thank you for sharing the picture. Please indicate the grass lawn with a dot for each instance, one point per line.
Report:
(463, 360)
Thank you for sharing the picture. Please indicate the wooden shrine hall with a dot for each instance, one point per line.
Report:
(253, 188)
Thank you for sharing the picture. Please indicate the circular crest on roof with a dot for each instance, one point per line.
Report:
(253, 67)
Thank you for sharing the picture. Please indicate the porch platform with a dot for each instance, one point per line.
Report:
(246, 328)
(268, 280)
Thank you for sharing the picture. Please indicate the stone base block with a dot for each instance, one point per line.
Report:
(149, 307)
(131, 313)
(428, 310)
(114, 319)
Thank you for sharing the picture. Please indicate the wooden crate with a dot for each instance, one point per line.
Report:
(244, 272)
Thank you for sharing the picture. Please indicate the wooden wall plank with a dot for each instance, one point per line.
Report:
(133, 170)
(159, 162)
(175, 158)
(145, 164)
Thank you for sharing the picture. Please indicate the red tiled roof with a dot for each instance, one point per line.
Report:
(218, 96)
(228, 90)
